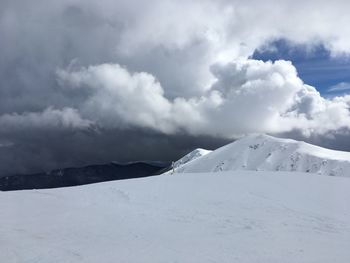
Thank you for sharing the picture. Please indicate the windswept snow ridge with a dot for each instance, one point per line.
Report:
(267, 153)
(191, 156)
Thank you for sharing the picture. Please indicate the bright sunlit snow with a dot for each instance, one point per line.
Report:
(266, 153)
(215, 217)
(191, 156)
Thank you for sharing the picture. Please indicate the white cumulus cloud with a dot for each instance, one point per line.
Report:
(247, 96)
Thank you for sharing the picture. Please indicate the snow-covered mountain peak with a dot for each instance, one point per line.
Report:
(268, 153)
(191, 156)
(262, 137)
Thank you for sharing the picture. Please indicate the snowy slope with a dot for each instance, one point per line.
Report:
(245, 217)
(191, 156)
(267, 153)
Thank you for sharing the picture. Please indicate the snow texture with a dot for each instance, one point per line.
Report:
(191, 156)
(226, 217)
(261, 152)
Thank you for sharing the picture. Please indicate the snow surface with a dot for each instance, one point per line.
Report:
(267, 153)
(240, 216)
(191, 156)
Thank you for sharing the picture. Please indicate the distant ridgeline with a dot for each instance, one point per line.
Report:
(82, 175)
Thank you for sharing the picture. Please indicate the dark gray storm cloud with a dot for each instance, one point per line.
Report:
(96, 81)
(48, 149)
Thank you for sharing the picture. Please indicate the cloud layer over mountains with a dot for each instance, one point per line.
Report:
(107, 72)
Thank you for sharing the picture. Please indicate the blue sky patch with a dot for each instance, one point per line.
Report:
(316, 66)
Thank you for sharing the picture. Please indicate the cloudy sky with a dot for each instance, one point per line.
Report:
(87, 81)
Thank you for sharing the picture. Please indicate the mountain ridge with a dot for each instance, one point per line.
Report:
(267, 153)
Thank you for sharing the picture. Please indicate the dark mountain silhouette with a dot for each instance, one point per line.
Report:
(81, 175)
